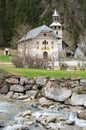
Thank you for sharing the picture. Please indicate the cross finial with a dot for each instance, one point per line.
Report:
(55, 13)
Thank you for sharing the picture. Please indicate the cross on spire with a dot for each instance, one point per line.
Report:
(55, 13)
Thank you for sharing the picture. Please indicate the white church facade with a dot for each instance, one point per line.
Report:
(43, 42)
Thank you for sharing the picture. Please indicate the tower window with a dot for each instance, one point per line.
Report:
(54, 27)
(45, 34)
(59, 27)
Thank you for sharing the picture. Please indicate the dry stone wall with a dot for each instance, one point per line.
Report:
(68, 90)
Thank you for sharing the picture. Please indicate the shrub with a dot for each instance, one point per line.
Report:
(63, 66)
(21, 61)
(17, 61)
(33, 62)
(29, 62)
(79, 91)
(82, 68)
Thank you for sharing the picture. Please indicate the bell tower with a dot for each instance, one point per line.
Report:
(57, 28)
(55, 25)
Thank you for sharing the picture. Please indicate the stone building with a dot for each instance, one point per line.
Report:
(43, 42)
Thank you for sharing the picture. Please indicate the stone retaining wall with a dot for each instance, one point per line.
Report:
(68, 90)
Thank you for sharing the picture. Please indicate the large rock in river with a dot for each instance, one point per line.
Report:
(82, 115)
(54, 91)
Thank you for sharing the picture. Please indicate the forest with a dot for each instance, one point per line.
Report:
(19, 16)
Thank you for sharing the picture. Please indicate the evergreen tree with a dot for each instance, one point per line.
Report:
(75, 36)
(15, 13)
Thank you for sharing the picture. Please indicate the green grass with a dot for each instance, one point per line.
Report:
(5, 58)
(29, 72)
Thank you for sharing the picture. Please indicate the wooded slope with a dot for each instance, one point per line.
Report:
(17, 16)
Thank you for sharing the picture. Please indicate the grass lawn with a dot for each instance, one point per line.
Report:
(5, 58)
(29, 72)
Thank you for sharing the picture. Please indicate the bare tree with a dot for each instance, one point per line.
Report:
(20, 31)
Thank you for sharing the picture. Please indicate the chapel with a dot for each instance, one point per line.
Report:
(44, 41)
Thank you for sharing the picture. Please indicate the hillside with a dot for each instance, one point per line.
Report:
(16, 17)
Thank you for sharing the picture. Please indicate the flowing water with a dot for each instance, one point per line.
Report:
(13, 108)
(79, 122)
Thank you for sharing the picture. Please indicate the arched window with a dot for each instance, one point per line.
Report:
(59, 27)
(45, 43)
(45, 34)
(55, 27)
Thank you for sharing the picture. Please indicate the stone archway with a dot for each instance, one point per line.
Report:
(45, 55)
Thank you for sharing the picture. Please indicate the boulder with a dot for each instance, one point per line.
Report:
(4, 89)
(12, 81)
(28, 123)
(50, 119)
(22, 97)
(74, 83)
(81, 115)
(15, 95)
(17, 88)
(9, 94)
(31, 94)
(53, 91)
(78, 99)
(83, 82)
(29, 81)
(70, 122)
(53, 126)
(2, 124)
(42, 122)
(22, 81)
(44, 102)
(1, 79)
(26, 113)
(28, 87)
(41, 80)
(35, 87)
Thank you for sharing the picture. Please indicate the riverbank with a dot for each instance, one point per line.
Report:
(42, 103)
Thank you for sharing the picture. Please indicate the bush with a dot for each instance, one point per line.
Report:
(82, 68)
(33, 62)
(29, 62)
(79, 91)
(17, 61)
(63, 66)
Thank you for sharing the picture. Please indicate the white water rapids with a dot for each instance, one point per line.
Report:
(13, 110)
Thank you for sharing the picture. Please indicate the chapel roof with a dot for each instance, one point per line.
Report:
(34, 33)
